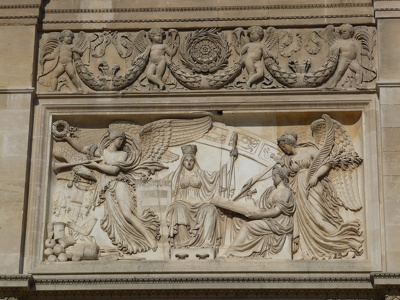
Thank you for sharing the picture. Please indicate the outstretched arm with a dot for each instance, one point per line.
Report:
(269, 213)
(108, 169)
(80, 148)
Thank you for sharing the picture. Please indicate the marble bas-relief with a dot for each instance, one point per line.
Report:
(322, 181)
(166, 190)
(340, 57)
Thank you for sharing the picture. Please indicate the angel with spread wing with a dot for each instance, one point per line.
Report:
(130, 152)
(323, 179)
(348, 50)
(253, 50)
(154, 43)
(58, 52)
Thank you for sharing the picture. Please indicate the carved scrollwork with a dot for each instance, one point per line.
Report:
(330, 58)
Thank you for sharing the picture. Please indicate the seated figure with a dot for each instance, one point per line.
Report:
(266, 234)
(193, 221)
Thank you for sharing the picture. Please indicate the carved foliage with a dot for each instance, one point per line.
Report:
(331, 58)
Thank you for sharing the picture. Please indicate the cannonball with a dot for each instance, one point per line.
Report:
(52, 258)
(76, 258)
(50, 243)
(48, 251)
(58, 249)
(62, 257)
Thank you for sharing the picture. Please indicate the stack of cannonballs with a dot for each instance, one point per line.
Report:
(54, 252)
(57, 243)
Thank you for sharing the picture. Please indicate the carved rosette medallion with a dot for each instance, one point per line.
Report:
(205, 51)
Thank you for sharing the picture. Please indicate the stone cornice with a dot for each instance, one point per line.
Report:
(20, 14)
(350, 286)
(387, 9)
(15, 281)
(173, 280)
(82, 16)
(215, 8)
(220, 19)
(19, 6)
(384, 279)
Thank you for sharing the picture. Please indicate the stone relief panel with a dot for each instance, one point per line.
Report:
(254, 58)
(198, 189)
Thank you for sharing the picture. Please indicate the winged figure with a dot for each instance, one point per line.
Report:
(252, 46)
(127, 152)
(57, 57)
(154, 41)
(324, 178)
(349, 49)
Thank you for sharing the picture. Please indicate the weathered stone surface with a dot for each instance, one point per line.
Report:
(217, 69)
(11, 234)
(17, 50)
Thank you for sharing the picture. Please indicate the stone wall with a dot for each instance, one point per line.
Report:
(93, 108)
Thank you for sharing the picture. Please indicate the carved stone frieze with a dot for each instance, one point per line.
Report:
(165, 191)
(340, 57)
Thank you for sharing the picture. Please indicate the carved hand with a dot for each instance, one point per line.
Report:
(255, 215)
(313, 182)
(70, 224)
(234, 153)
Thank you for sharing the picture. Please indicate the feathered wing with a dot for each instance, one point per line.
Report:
(127, 126)
(49, 44)
(140, 43)
(157, 136)
(367, 46)
(271, 40)
(330, 134)
(330, 35)
(81, 41)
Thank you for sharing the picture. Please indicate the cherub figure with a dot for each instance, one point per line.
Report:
(349, 56)
(157, 60)
(253, 50)
(62, 55)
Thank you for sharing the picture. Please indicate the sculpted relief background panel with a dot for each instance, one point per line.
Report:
(226, 188)
(253, 58)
